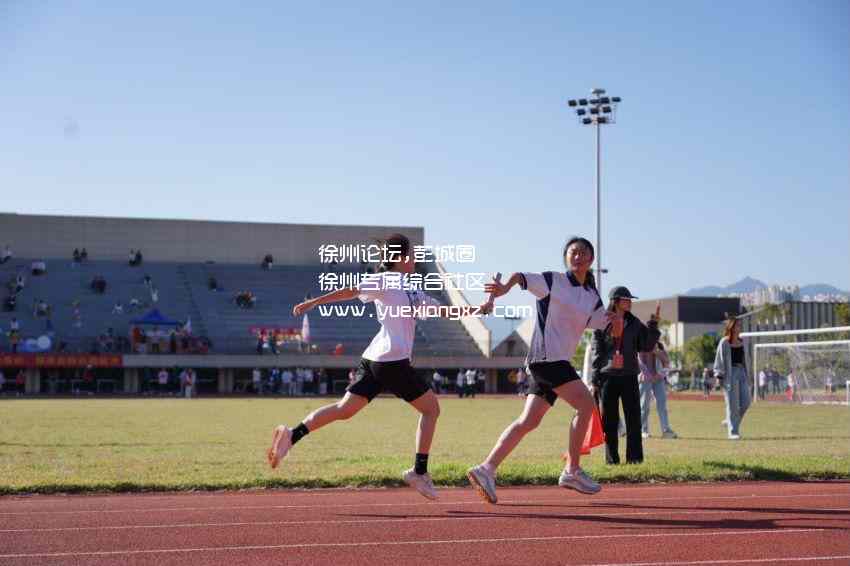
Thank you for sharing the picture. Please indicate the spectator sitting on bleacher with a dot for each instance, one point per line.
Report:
(154, 295)
(76, 257)
(135, 259)
(38, 267)
(212, 283)
(98, 284)
(6, 255)
(268, 262)
(20, 283)
(245, 299)
(11, 303)
(118, 308)
(135, 304)
(40, 308)
(147, 281)
(84, 255)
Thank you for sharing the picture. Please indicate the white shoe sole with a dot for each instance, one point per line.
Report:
(412, 485)
(579, 488)
(276, 453)
(479, 488)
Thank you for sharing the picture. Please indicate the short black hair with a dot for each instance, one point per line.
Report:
(394, 243)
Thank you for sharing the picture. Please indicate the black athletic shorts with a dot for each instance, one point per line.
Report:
(546, 376)
(397, 377)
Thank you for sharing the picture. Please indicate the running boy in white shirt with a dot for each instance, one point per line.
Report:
(385, 364)
(567, 304)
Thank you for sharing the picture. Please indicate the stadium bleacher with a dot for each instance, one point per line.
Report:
(183, 293)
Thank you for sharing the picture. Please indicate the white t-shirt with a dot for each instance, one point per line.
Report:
(286, 376)
(437, 378)
(563, 312)
(460, 378)
(762, 379)
(257, 376)
(396, 311)
(163, 377)
(471, 376)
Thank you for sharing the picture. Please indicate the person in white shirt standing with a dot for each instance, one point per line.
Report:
(257, 381)
(471, 382)
(567, 304)
(162, 381)
(460, 382)
(437, 382)
(189, 382)
(288, 385)
(386, 362)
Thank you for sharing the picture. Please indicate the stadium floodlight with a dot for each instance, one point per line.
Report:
(603, 110)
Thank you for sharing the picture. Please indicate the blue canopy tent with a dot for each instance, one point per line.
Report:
(155, 318)
(158, 340)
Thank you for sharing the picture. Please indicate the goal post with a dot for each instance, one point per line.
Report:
(801, 366)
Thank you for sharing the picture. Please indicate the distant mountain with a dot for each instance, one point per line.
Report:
(748, 285)
(821, 288)
(745, 285)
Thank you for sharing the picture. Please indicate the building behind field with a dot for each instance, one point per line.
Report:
(684, 317)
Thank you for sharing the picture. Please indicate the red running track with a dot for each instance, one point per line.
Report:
(735, 523)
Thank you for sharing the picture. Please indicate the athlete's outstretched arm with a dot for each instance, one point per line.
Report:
(337, 296)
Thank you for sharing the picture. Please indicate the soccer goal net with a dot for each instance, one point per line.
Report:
(803, 366)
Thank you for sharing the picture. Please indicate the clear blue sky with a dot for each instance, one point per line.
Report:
(729, 158)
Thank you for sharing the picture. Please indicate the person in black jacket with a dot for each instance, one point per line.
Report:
(615, 373)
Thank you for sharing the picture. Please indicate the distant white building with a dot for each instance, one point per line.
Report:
(771, 295)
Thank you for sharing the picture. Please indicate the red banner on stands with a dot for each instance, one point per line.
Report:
(61, 360)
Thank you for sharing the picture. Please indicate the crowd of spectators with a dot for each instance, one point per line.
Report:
(289, 382)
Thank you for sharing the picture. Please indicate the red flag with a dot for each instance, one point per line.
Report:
(594, 435)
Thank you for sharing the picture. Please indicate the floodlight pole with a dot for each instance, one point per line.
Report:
(599, 270)
(601, 110)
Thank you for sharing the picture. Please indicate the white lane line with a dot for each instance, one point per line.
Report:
(429, 504)
(798, 513)
(512, 540)
(335, 491)
(729, 561)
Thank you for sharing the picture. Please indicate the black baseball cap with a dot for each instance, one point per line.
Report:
(620, 293)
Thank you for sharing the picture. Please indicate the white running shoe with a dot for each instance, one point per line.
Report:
(579, 481)
(669, 434)
(484, 483)
(281, 443)
(734, 436)
(421, 483)
(644, 435)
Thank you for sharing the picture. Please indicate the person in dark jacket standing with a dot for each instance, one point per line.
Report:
(615, 373)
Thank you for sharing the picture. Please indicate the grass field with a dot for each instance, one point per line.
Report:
(75, 445)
